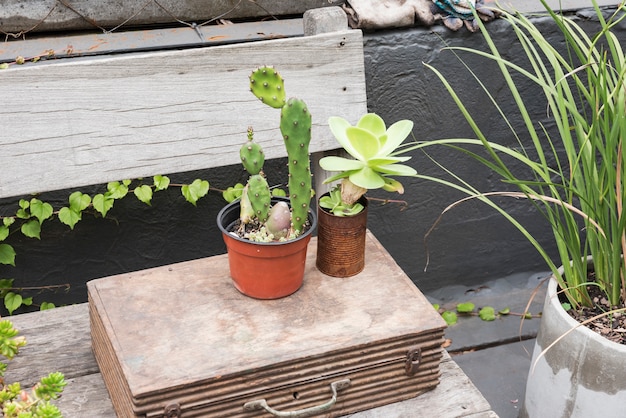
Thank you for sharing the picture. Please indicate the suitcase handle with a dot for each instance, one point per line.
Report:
(300, 413)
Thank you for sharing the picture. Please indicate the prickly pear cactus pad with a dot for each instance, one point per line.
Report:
(295, 125)
(251, 155)
(267, 84)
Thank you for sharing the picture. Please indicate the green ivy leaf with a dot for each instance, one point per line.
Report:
(27, 301)
(24, 204)
(436, 306)
(7, 254)
(144, 194)
(194, 191)
(79, 201)
(103, 203)
(450, 317)
(487, 313)
(127, 182)
(8, 221)
(466, 307)
(12, 301)
(566, 306)
(31, 229)
(46, 305)
(161, 182)
(40, 210)
(4, 232)
(69, 217)
(279, 192)
(6, 283)
(505, 311)
(117, 190)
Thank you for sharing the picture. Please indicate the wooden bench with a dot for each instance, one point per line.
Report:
(88, 121)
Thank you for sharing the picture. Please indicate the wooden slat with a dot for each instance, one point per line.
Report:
(90, 121)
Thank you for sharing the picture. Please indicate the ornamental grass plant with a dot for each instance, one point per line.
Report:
(574, 164)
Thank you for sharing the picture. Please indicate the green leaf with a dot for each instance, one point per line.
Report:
(31, 229)
(566, 306)
(116, 190)
(279, 192)
(24, 204)
(6, 283)
(505, 311)
(8, 221)
(450, 317)
(436, 306)
(40, 210)
(12, 301)
(7, 254)
(161, 182)
(69, 217)
(487, 313)
(23, 212)
(194, 191)
(4, 232)
(27, 301)
(79, 201)
(466, 307)
(46, 305)
(144, 194)
(103, 204)
(127, 182)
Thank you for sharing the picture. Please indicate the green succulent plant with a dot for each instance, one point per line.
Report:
(375, 151)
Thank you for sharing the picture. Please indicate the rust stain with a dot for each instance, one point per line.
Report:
(217, 38)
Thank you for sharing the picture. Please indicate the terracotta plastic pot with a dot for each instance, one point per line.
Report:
(341, 242)
(264, 270)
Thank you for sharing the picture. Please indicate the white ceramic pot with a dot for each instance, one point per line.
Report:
(583, 375)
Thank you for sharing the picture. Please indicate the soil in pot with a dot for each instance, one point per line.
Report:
(341, 242)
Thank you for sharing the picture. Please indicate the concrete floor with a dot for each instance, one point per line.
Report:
(496, 355)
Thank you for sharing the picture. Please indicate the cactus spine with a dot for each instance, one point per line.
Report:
(295, 126)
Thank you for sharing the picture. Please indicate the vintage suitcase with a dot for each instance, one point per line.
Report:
(180, 341)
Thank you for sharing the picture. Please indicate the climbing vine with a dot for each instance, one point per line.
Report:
(31, 215)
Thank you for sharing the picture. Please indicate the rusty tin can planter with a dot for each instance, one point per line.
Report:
(341, 242)
(264, 270)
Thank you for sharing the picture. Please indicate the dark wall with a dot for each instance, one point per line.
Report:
(471, 244)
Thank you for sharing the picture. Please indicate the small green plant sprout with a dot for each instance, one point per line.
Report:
(375, 151)
(486, 313)
(277, 222)
(17, 402)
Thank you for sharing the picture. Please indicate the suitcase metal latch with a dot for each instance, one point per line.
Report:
(172, 410)
(413, 360)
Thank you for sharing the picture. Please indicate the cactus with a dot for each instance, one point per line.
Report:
(256, 197)
(295, 126)
(251, 155)
(260, 196)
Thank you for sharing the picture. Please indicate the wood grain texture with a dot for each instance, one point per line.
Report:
(86, 395)
(89, 121)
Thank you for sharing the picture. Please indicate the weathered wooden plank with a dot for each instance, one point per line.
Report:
(24, 15)
(57, 340)
(86, 397)
(90, 121)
